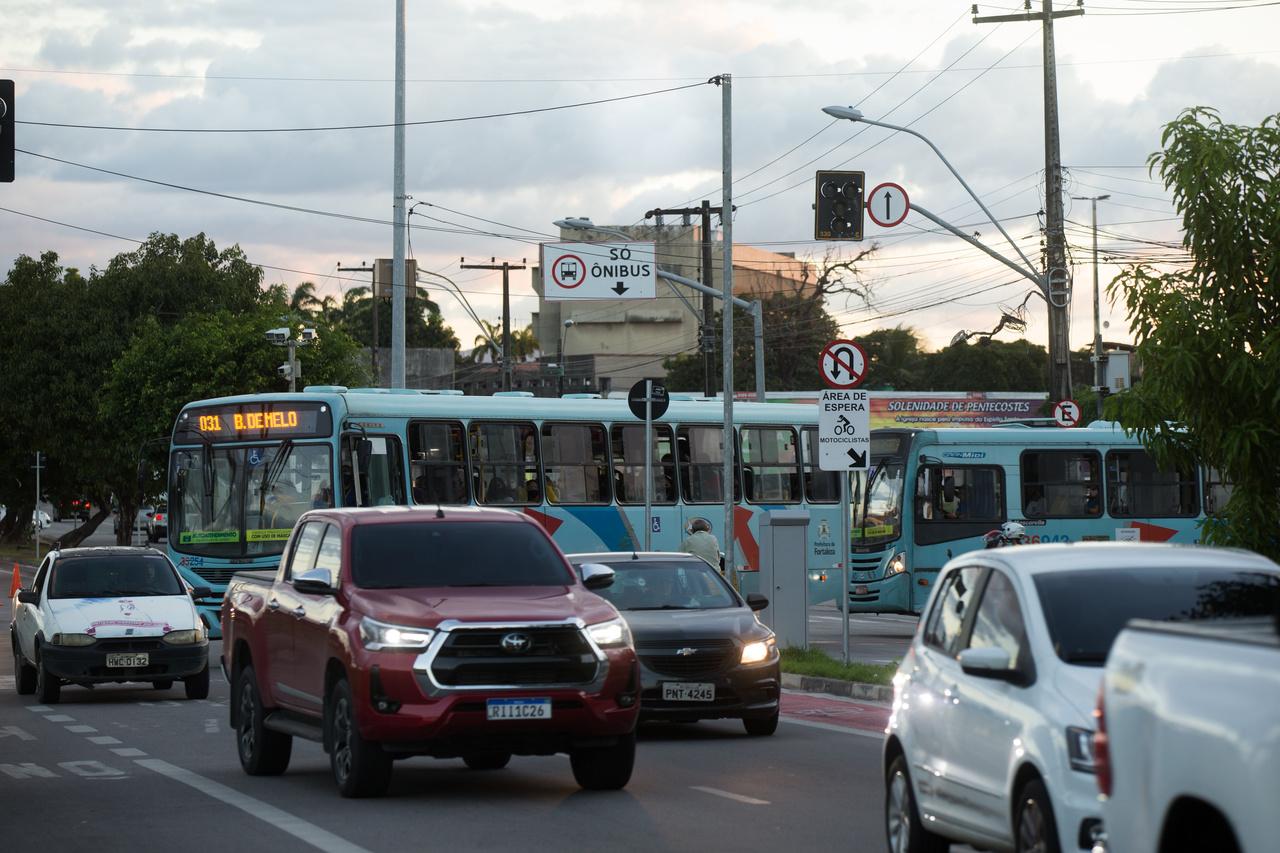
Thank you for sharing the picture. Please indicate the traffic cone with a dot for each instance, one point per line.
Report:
(16, 583)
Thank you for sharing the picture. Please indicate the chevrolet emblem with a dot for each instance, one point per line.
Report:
(686, 651)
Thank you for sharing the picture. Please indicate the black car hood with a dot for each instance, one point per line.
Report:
(732, 622)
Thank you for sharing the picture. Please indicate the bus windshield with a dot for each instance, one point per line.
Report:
(876, 503)
(243, 501)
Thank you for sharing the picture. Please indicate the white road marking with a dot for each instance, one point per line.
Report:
(6, 682)
(103, 740)
(60, 718)
(844, 730)
(729, 795)
(39, 709)
(81, 730)
(89, 768)
(14, 731)
(128, 752)
(211, 726)
(304, 831)
(26, 770)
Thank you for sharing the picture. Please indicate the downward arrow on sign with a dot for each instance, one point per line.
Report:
(619, 288)
(858, 460)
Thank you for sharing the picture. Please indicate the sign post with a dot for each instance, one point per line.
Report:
(648, 399)
(844, 442)
(599, 271)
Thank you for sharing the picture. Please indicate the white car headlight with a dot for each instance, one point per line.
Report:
(897, 565)
(758, 651)
(72, 640)
(185, 638)
(379, 636)
(613, 634)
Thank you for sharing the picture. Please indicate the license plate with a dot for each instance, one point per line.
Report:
(128, 660)
(686, 691)
(859, 590)
(518, 709)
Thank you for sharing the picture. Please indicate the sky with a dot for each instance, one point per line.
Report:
(490, 186)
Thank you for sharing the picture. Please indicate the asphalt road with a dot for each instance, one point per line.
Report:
(127, 768)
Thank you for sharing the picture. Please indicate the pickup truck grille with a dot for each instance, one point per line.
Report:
(700, 657)
(552, 656)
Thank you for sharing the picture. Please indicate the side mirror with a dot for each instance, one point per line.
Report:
(28, 596)
(990, 663)
(596, 575)
(315, 582)
(756, 601)
(201, 592)
(364, 450)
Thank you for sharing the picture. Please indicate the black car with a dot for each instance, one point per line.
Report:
(703, 654)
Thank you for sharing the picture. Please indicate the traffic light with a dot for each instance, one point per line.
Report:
(837, 205)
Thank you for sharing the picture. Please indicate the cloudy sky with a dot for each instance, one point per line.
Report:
(1125, 68)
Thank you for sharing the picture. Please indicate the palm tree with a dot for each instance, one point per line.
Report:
(304, 301)
(489, 341)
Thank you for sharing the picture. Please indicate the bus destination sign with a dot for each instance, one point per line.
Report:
(253, 421)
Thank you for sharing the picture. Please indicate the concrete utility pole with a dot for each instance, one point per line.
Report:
(1057, 277)
(1099, 360)
(373, 292)
(397, 243)
(506, 310)
(726, 203)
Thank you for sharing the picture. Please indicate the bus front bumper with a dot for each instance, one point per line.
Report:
(887, 595)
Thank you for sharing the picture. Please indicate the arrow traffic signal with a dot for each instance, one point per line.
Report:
(837, 205)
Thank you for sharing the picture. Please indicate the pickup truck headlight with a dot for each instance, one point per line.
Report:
(897, 565)
(185, 638)
(758, 651)
(1080, 749)
(72, 640)
(381, 637)
(613, 634)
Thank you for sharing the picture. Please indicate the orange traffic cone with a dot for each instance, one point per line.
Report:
(16, 583)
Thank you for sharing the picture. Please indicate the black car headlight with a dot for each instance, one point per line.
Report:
(758, 651)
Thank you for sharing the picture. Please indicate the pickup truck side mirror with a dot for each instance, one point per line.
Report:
(315, 582)
(28, 596)
(596, 575)
(201, 592)
(756, 601)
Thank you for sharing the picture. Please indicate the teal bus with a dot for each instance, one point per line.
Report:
(242, 469)
(931, 494)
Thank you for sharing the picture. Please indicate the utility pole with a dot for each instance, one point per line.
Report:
(706, 334)
(39, 466)
(398, 197)
(374, 293)
(506, 310)
(726, 203)
(1057, 278)
(1099, 360)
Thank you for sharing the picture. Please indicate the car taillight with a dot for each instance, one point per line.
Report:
(1101, 745)
(159, 516)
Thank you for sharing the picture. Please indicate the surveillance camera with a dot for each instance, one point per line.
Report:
(278, 336)
(284, 370)
(308, 335)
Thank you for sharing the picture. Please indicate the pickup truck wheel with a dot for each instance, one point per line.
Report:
(605, 768)
(197, 686)
(905, 832)
(262, 751)
(48, 687)
(487, 760)
(360, 767)
(1035, 830)
(761, 726)
(24, 674)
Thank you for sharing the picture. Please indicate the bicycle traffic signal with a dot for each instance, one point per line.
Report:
(837, 205)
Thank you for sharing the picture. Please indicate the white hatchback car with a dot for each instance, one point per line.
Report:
(990, 738)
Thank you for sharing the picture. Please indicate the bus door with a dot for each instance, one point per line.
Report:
(955, 507)
(372, 470)
(666, 522)
(701, 472)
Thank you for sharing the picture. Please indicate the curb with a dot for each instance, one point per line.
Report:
(837, 687)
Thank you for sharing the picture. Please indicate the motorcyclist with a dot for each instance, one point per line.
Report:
(1009, 533)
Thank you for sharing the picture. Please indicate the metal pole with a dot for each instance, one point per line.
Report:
(397, 255)
(844, 563)
(648, 464)
(1097, 320)
(757, 320)
(293, 366)
(726, 219)
(560, 360)
(39, 466)
(707, 331)
(506, 327)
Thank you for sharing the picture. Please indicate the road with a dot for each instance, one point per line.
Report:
(124, 768)
(873, 638)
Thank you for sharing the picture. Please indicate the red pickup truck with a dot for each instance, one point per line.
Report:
(457, 633)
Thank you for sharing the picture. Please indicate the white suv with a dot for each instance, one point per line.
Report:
(990, 739)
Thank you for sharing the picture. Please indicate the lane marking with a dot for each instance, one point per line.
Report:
(844, 730)
(81, 730)
(60, 718)
(309, 833)
(39, 709)
(211, 726)
(6, 682)
(729, 795)
(128, 752)
(103, 740)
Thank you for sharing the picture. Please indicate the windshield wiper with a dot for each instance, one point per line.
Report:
(666, 607)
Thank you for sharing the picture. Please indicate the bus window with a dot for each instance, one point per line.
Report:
(702, 465)
(377, 480)
(1061, 484)
(628, 465)
(969, 493)
(1217, 491)
(1136, 488)
(769, 465)
(437, 463)
(820, 487)
(576, 463)
(504, 463)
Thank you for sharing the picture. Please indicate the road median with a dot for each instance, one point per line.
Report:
(814, 671)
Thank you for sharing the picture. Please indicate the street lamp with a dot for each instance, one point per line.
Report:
(564, 333)
(1098, 358)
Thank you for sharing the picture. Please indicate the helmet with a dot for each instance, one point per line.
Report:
(1012, 530)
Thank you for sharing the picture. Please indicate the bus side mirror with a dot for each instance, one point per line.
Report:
(364, 450)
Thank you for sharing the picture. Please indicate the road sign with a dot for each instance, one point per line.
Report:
(1067, 413)
(843, 364)
(599, 271)
(844, 430)
(888, 205)
(659, 401)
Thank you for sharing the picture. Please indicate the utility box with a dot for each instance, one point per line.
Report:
(1118, 374)
(383, 282)
(784, 576)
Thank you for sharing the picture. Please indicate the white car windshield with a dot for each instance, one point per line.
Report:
(113, 576)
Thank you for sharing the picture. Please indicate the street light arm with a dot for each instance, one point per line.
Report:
(1040, 285)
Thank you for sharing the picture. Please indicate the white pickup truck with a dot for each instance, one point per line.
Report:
(1188, 739)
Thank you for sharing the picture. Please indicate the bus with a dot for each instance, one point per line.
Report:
(931, 494)
(242, 470)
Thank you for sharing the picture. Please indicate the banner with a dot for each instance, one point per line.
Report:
(926, 409)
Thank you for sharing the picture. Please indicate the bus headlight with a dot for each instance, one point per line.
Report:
(897, 565)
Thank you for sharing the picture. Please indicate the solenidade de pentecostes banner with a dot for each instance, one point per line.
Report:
(924, 409)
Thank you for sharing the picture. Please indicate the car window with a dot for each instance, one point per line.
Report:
(113, 576)
(667, 585)
(946, 619)
(329, 557)
(38, 583)
(416, 554)
(304, 553)
(998, 624)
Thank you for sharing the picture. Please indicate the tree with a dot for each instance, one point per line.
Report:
(424, 326)
(988, 366)
(523, 343)
(894, 360)
(1208, 335)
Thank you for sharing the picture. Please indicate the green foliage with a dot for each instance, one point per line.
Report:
(423, 324)
(894, 360)
(818, 663)
(1208, 336)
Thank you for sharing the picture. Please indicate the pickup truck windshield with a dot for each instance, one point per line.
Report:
(1086, 610)
(412, 555)
(113, 576)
